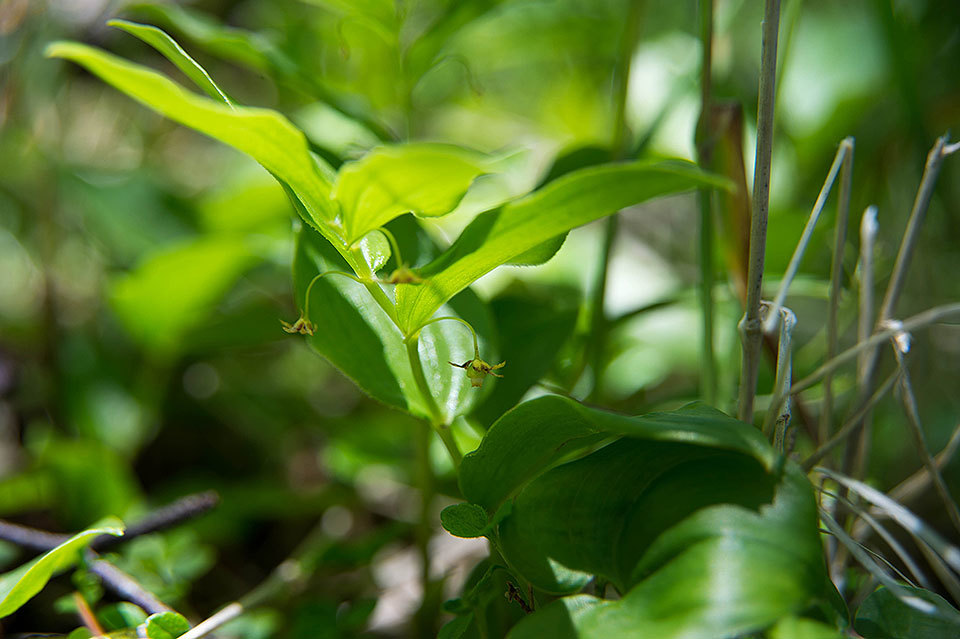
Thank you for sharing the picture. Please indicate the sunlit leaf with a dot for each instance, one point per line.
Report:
(265, 135)
(499, 236)
(159, 40)
(20, 585)
(165, 625)
(425, 179)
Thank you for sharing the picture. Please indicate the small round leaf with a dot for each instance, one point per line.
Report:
(464, 520)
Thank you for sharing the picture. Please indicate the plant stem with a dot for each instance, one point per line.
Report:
(393, 245)
(836, 272)
(850, 424)
(751, 327)
(413, 355)
(708, 377)
(621, 141)
(598, 318)
(914, 485)
(437, 420)
(631, 33)
(366, 277)
(773, 315)
(925, 318)
(917, 483)
(181, 510)
(862, 556)
(476, 345)
(425, 482)
(125, 586)
(708, 370)
(779, 411)
(884, 534)
(919, 440)
(224, 615)
(450, 443)
(868, 236)
(941, 149)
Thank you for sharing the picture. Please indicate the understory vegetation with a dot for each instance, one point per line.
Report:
(479, 319)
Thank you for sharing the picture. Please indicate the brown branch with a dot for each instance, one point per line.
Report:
(125, 586)
(183, 509)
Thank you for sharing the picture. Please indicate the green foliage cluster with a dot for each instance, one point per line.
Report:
(402, 163)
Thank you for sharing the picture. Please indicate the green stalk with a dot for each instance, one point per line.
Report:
(856, 458)
(708, 377)
(836, 272)
(919, 320)
(751, 328)
(367, 277)
(393, 245)
(598, 318)
(777, 418)
(912, 411)
(413, 354)
(476, 345)
(621, 142)
(426, 482)
(436, 417)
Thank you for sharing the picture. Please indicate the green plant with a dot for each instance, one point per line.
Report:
(675, 523)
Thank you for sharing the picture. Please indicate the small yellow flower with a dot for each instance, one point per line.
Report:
(477, 369)
(302, 326)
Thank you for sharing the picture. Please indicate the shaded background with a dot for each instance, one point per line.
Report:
(144, 268)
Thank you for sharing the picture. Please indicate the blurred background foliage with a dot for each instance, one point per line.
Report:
(144, 268)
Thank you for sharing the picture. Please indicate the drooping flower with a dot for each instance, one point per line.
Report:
(302, 326)
(477, 369)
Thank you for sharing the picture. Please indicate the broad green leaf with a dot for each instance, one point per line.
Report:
(174, 289)
(164, 625)
(883, 615)
(724, 571)
(425, 179)
(541, 253)
(549, 428)
(599, 514)
(360, 339)
(498, 236)
(800, 628)
(533, 324)
(159, 40)
(464, 520)
(18, 586)
(265, 135)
